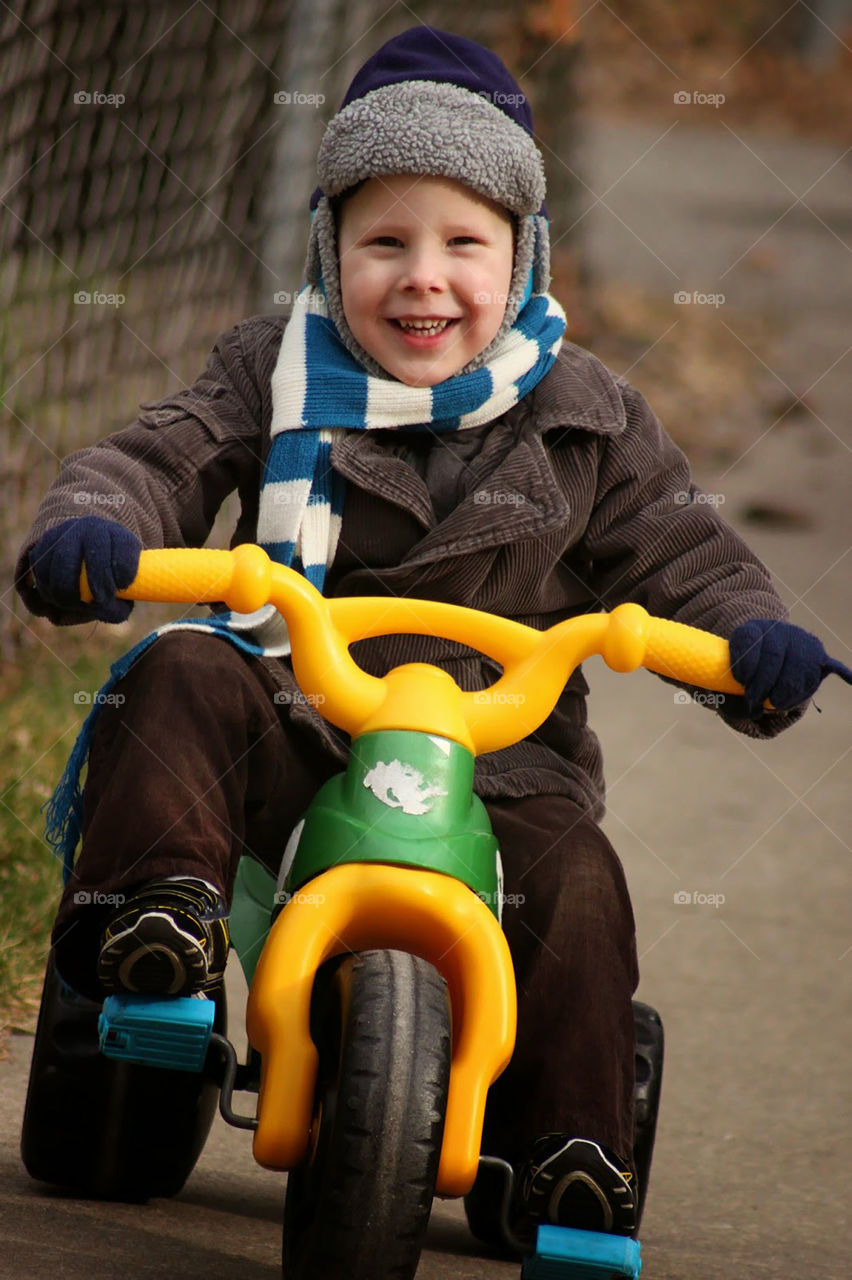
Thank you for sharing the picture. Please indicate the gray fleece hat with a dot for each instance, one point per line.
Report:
(436, 104)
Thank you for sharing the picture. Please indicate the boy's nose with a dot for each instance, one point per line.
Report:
(423, 273)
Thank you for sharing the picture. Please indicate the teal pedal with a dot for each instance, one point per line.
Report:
(562, 1253)
(157, 1031)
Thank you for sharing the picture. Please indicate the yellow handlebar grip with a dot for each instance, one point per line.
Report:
(688, 654)
(194, 576)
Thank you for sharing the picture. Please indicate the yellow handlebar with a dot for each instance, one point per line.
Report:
(536, 664)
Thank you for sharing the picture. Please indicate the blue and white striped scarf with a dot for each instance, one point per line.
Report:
(319, 390)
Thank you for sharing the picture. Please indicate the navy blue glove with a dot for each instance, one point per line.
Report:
(111, 553)
(778, 661)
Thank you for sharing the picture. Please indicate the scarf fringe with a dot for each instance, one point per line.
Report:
(64, 809)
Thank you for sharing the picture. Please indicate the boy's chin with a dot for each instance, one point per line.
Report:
(425, 382)
(414, 377)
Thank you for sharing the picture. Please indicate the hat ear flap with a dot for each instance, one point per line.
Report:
(313, 264)
(541, 257)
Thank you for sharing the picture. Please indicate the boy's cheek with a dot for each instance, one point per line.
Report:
(359, 290)
(492, 309)
(352, 295)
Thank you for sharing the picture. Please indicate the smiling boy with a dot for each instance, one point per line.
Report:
(417, 427)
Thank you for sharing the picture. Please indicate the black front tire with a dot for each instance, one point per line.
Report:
(103, 1128)
(359, 1207)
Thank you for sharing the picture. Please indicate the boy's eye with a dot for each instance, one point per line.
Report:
(464, 240)
(386, 240)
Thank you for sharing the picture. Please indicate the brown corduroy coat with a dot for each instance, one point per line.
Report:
(574, 500)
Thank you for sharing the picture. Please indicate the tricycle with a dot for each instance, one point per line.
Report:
(381, 1000)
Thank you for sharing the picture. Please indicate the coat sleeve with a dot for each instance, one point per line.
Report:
(656, 539)
(165, 476)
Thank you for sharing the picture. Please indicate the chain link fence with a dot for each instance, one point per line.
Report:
(134, 143)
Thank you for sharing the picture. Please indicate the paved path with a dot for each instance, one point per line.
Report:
(754, 1128)
(752, 1161)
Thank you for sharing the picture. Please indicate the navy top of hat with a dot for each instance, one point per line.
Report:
(425, 53)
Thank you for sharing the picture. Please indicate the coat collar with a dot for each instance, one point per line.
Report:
(520, 497)
(579, 391)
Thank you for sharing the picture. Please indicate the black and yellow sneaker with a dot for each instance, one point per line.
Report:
(574, 1182)
(169, 938)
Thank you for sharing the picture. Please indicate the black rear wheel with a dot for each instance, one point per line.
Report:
(103, 1128)
(359, 1207)
(650, 1044)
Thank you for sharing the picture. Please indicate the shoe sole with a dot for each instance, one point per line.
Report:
(583, 1178)
(153, 956)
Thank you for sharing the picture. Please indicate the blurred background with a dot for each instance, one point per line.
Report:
(157, 162)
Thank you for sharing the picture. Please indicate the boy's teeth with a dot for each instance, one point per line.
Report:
(424, 326)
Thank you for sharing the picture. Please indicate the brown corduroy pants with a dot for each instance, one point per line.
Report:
(198, 766)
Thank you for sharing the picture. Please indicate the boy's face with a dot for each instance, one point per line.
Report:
(423, 249)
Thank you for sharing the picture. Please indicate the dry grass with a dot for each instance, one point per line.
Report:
(39, 720)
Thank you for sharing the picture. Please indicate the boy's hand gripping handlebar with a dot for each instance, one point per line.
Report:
(536, 664)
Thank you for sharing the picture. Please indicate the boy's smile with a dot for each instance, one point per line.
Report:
(425, 269)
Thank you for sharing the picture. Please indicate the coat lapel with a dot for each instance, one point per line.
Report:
(520, 497)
